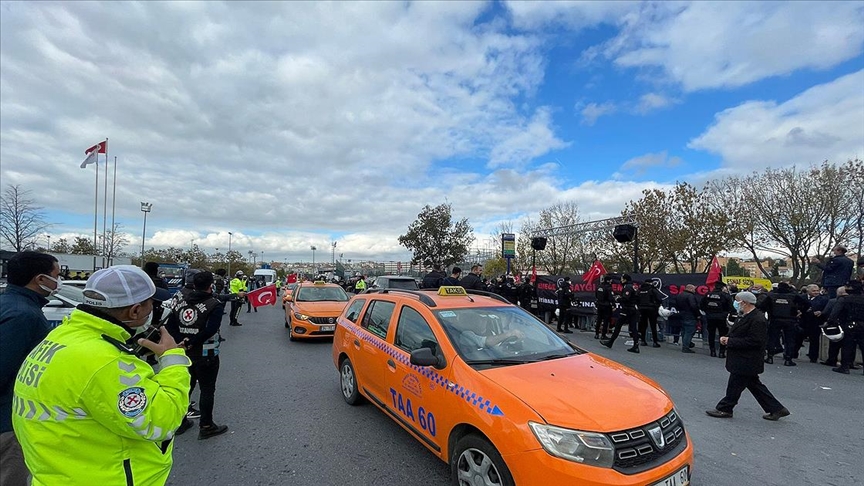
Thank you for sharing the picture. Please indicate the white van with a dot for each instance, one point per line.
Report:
(267, 274)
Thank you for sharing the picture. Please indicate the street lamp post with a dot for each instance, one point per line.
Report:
(228, 255)
(313, 248)
(145, 208)
(262, 258)
(49, 242)
(334, 253)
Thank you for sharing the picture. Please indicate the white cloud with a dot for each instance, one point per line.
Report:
(638, 166)
(592, 111)
(573, 14)
(703, 45)
(653, 101)
(823, 122)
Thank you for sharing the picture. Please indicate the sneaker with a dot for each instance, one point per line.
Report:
(841, 369)
(193, 412)
(655, 345)
(719, 413)
(207, 431)
(685, 350)
(608, 343)
(185, 425)
(789, 362)
(692, 345)
(236, 324)
(774, 416)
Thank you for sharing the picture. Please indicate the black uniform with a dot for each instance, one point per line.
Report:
(849, 313)
(472, 281)
(603, 300)
(196, 316)
(810, 324)
(433, 279)
(565, 301)
(526, 295)
(716, 305)
(650, 299)
(783, 306)
(629, 314)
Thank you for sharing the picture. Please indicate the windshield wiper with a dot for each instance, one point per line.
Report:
(555, 356)
(503, 362)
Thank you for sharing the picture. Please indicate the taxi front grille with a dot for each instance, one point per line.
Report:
(642, 448)
(322, 320)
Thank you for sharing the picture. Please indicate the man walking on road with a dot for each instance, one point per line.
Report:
(745, 345)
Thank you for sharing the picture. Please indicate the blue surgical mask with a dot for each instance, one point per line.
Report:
(737, 306)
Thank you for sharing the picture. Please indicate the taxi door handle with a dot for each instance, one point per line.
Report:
(391, 364)
(357, 344)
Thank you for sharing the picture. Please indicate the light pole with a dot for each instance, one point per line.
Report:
(145, 208)
(49, 242)
(252, 256)
(228, 255)
(334, 253)
(262, 258)
(313, 248)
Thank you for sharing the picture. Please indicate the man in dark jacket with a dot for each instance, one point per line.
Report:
(473, 280)
(32, 277)
(688, 310)
(650, 298)
(745, 346)
(152, 271)
(849, 313)
(527, 293)
(811, 320)
(784, 306)
(629, 314)
(433, 279)
(834, 347)
(603, 301)
(454, 277)
(564, 295)
(716, 305)
(836, 272)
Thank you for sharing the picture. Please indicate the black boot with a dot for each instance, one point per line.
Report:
(713, 353)
(607, 342)
(596, 336)
(655, 345)
(635, 348)
(722, 353)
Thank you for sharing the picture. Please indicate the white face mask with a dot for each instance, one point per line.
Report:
(146, 323)
(58, 286)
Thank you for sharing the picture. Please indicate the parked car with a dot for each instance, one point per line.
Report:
(394, 282)
(62, 303)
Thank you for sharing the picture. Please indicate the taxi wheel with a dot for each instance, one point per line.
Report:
(476, 461)
(348, 382)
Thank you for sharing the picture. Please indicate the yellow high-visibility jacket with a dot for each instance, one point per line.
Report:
(237, 285)
(87, 412)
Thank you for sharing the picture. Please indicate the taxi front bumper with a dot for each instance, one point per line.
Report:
(304, 329)
(539, 468)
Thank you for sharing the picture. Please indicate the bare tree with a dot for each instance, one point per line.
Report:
(564, 251)
(21, 220)
(116, 241)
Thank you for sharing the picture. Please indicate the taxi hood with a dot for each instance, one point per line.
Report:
(325, 308)
(584, 392)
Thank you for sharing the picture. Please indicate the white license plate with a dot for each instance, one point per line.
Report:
(677, 479)
(327, 328)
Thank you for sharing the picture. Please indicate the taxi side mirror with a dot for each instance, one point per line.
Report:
(425, 357)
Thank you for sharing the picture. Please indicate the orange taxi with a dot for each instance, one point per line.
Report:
(312, 308)
(505, 401)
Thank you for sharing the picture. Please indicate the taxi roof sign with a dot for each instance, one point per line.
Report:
(452, 290)
(319, 282)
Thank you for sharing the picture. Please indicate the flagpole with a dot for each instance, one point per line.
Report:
(96, 211)
(113, 206)
(105, 210)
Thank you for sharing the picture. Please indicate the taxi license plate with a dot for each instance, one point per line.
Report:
(677, 479)
(328, 328)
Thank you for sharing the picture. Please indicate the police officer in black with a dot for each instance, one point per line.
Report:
(629, 314)
(194, 323)
(716, 305)
(849, 313)
(433, 279)
(650, 298)
(526, 295)
(784, 306)
(565, 300)
(603, 301)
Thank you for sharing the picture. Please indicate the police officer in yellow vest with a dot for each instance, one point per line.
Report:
(237, 286)
(360, 286)
(87, 410)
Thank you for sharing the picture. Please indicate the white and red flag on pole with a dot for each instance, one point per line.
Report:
(594, 272)
(93, 153)
(263, 296)
(715, 273)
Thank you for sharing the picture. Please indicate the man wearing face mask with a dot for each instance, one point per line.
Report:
(87, 409)
(745, 345)
(32, 277)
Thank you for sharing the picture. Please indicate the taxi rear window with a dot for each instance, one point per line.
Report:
(354, 309)
(377, 317)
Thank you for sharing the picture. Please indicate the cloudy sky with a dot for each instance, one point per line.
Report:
(294, 124)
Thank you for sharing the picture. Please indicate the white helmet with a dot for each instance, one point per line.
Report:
(833, 333)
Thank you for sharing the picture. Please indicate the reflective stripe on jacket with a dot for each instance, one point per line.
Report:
(87, 413)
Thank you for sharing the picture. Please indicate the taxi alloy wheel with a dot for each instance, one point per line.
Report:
(348, 382)
(477, 463)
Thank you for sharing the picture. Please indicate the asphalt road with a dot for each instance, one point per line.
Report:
(288, 424)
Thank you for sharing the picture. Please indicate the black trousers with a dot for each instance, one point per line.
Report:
(854, 339)
(204, 371)
(604, 319)
(810, 331)
(834, 348)
(648, 317)
(738, 383)
(236, 305)
(716, 326)
(789, 331)
(565, 319)
(631, 318)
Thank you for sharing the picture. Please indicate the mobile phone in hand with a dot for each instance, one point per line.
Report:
(152, 333)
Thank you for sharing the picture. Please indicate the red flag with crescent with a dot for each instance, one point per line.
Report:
(594, 272)
(263, 296)
(715, 273)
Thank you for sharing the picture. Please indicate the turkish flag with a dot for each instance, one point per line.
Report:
(715, 273)
(594, 272)
(263, 296)
(292, 278)
(99, 148)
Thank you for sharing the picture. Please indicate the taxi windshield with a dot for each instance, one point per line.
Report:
(321, 294)
(472, 330)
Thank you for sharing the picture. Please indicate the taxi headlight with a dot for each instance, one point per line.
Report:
(302, 317)
(575, 445)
